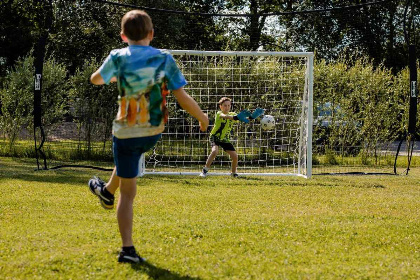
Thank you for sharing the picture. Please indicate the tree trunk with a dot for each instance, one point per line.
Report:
(253, 31)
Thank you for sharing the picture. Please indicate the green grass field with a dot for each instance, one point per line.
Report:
(327, 227)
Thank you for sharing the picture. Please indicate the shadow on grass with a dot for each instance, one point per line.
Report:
(246, 178)
(28, 173)
(155, 272)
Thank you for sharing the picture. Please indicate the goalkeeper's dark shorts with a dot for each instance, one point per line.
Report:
(226, 146)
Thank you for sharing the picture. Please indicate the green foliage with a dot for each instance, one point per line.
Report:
(16, 97)
(54, 98)
(93, 107)
(19, 149)
(59, 151)
(85, 29)
(330, 158)
(368, 106)
(18, 30)
(375, 31)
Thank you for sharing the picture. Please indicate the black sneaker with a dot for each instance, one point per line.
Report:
(130, 256)
(204, 173)
(234, 175)
(96, 186)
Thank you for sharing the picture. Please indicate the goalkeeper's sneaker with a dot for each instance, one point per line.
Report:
(97, 186)
(204, 172)
(129, 256)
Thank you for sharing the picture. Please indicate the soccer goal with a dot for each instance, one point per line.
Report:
(279, 82)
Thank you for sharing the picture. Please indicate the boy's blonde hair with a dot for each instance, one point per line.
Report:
(136, 25)
(224, 99)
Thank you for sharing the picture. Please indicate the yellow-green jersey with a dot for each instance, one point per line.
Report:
(222, 127)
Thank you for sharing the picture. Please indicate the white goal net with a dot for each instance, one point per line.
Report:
(279, 82)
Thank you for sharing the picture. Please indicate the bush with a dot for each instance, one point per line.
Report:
(368, 105)
(93, 107)
(17, 97)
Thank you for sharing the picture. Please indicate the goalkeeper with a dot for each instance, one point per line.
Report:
(219, 135)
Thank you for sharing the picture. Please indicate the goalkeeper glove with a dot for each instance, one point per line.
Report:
(243, 116)
(258, 112)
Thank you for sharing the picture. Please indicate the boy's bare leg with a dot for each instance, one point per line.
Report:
(212, 156)
(128, 190)
(114, 182)
(234, 157)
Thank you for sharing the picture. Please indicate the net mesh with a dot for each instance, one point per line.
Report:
(275, 82)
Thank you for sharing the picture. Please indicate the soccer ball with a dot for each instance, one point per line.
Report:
(268, 122)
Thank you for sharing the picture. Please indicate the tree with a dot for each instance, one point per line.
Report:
(17, 42)
(83, 30)
(372, 30)
(250, 35)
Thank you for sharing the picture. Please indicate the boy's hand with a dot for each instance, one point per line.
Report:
(204, 123)
(258, 112)
(243, 116)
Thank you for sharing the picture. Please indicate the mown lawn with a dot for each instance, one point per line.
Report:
(327, 227)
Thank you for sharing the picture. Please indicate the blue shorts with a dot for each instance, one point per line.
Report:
(127, 153)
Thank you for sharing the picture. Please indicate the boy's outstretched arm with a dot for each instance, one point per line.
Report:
(97, 79)
(190, 105)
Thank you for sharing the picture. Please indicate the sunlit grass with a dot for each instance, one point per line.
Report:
(328, 227)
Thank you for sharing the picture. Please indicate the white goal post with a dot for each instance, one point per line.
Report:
(279, 82)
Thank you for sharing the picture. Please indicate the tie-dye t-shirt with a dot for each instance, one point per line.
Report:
(145, 75)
